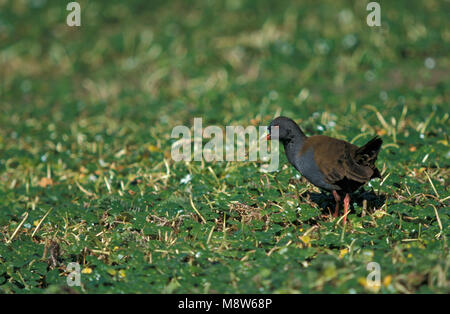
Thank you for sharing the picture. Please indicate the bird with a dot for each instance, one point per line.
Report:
(330, 164)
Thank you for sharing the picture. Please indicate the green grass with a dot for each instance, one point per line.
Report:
(86, 115)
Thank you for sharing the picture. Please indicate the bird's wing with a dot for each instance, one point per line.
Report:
(336, 160)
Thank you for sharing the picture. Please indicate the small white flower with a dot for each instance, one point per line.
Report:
(430, 63)
(322, 47)
(186, 179)
(198, 254)
(346, 16)
(102, 163)
(349, 40)
(369, 75)
(273, 95)
(384, 95)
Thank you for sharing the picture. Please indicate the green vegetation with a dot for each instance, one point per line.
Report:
(85, 170)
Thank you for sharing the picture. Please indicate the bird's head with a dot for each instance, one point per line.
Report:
(285, 128)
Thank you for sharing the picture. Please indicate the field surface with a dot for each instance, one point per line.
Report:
(86, 174)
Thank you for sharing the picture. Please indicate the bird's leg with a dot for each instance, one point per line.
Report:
(346, 206)
(337, 198)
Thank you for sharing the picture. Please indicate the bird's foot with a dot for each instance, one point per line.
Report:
(346, 207)
(337, 198)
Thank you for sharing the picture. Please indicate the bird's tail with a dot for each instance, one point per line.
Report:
(371, 148)
(367, 155)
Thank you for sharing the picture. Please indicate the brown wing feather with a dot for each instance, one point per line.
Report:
(336, 160)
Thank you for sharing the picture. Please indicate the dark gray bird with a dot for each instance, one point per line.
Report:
(328, 163)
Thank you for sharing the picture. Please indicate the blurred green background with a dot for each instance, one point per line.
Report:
(86, 114)
(158, 57)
